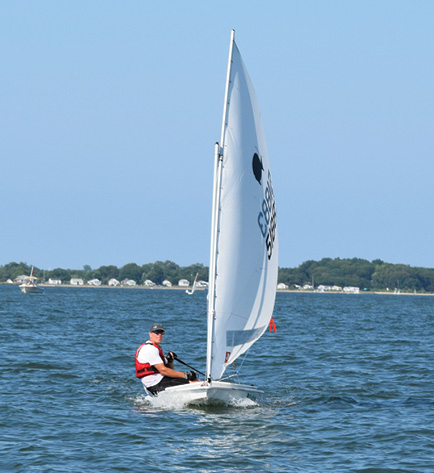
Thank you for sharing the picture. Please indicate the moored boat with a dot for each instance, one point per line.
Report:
(29, 285)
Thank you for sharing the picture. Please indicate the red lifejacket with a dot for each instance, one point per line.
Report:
(145, 369)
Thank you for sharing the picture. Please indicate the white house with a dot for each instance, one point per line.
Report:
(202, 284)
(55, 282)
(322, 288)
(76, 282)
(352, 290)
(183, 283)
(167, 283)
(282, 285)
(128, 282)
(94, 282)
(113, 282)
(149, 283)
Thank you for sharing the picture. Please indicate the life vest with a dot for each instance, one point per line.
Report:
(145, 369)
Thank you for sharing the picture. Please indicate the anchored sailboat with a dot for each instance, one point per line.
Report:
(244, 249)
(29, 285)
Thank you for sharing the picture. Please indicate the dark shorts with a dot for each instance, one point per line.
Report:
(166, 382)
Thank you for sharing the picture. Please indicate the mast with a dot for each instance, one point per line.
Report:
(215, 218)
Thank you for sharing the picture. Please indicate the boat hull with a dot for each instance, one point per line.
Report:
(30, 289)
(216, 391)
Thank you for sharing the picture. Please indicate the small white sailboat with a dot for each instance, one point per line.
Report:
(29, 285)
(244, 249)
(190, 292)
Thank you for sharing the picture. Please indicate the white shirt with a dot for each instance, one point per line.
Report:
(150, 354)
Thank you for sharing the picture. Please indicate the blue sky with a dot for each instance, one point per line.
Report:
(110, 111)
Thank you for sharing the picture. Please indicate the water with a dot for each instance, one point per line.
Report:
(348, 380)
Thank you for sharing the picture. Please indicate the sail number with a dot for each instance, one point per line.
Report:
(267, 217)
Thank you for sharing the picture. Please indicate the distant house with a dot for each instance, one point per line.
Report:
(20, 279)
(202, 284)
(113, 282)
(167, 283)
(76, 282)
(322, 288)
(55, 282)
(94, 282)
(149, 283)
(128, 282)
(183, 283)
(282, 285)
(352, 290)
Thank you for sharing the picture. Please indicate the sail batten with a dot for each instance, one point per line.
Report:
(244, 249)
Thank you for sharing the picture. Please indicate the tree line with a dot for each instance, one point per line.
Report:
(156, 272)
(367, 275)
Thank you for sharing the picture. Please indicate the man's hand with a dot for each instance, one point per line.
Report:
(190, 375)
(170, 357)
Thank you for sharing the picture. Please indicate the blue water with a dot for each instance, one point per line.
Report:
(348, 381)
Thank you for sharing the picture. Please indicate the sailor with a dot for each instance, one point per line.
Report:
(155, 370)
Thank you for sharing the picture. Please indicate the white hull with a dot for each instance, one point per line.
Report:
(30, 289)
(29, 285)
(216, 391)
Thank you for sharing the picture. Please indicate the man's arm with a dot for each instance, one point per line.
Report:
(166, 371)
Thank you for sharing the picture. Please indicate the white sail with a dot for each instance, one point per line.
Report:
(191, 292)
(244, 248)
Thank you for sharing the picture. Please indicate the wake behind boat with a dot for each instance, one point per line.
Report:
(244, 249)
(29, 285)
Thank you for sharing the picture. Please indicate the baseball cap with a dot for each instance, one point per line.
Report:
(155, 327)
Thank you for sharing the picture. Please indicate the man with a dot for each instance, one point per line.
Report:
(154, 369)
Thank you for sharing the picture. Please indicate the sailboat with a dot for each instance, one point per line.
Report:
(29, 285)
(244, 247)
(190, 292)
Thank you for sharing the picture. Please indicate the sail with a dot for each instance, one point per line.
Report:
(191, 292)
(244, 247)
(31, 277)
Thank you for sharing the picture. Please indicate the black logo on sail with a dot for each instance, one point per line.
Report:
(267, 214)
(257, 167)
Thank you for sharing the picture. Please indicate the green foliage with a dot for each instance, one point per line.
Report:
(131, 271)
(156, 272)
(13, 270)
(374, 275)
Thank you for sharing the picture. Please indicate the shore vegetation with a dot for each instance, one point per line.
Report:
(375, 275)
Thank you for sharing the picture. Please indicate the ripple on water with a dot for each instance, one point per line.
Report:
(348, 386)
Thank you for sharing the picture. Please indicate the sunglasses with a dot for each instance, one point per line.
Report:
(159, 332)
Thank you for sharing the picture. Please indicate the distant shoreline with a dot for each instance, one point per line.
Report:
(178, 288)
(379, 293)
